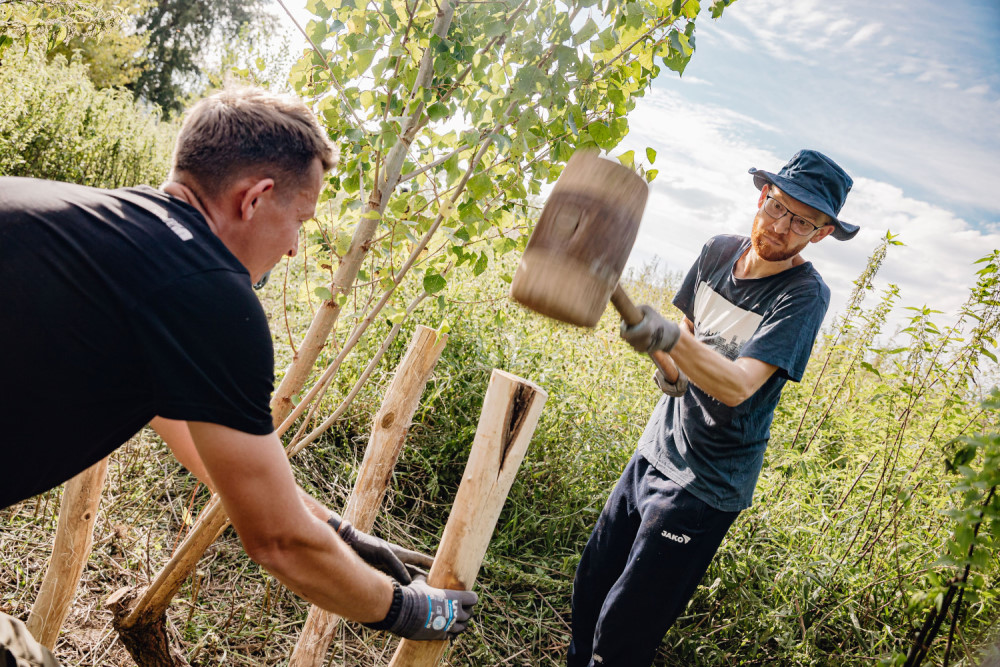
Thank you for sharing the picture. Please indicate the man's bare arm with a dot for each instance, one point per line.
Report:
(252, 476)
(730, 382)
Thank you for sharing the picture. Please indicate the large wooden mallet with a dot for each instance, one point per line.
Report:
(576, 255)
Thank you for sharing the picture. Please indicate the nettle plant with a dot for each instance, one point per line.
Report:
(450, 118)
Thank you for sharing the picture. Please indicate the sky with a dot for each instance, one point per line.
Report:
(904, 94)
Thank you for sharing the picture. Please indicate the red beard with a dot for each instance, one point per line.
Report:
(767, 251)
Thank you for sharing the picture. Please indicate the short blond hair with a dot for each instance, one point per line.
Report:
(243, 129)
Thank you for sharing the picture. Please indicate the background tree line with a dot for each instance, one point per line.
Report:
(159, 50)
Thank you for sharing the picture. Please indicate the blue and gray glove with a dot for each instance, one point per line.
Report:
(674, 389)
(399, 563)
(653, 333)
(421, 612)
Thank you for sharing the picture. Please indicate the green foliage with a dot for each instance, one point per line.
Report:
(55, 124)
(112, 57)
(179, 34)
(53, 22)
(513, 90)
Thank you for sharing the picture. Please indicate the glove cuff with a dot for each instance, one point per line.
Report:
(335, 521)
(397, 606)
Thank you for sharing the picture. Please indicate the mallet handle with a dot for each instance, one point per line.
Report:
(632, 316)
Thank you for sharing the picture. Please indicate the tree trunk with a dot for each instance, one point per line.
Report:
(347, 271)
(386, 442)
(506, 424)
(74, 538)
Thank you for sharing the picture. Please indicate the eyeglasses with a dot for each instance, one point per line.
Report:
(798, 224)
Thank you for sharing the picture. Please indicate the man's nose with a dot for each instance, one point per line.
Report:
(294, 250)
(781, 224)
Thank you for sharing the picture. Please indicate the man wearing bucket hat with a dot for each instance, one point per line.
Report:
(752, 308)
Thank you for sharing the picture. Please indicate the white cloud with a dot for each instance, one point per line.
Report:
(864, 34)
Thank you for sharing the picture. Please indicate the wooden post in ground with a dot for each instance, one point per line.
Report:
(74, 537)
(386, 442)
(506, 424)
(140, 618)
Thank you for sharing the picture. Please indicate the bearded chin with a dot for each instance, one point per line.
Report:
(768, 252)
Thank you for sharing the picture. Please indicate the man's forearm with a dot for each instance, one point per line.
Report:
(730, 382)
(309, 565)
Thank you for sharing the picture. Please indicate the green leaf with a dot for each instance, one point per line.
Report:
(323, 293)
(628, 159)
(600, 133)
(480, 185)
(434, 282)
(650, 155)
(584, 34)
(481, 264)
(438, 111)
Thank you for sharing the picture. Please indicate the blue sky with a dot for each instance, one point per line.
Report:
(904, 94)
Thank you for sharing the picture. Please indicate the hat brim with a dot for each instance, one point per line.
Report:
(842, 231)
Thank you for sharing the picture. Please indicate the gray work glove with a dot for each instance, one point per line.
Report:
(399, 563)
(421, 612)
(675, 389)
(652, 333)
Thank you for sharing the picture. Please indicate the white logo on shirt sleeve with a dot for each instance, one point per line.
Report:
(177, 228)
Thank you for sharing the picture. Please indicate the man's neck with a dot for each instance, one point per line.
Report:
(188, 195)
(751, 266)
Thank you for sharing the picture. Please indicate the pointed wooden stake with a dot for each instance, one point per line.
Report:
(384, 446)
(507, 421)
(74, 537)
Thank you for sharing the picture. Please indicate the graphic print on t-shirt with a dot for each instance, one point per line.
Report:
(720, 324)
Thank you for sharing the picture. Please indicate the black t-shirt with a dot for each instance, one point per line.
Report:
(117, 306)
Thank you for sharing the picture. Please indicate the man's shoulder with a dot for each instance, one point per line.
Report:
(810, 281)
(725, 244)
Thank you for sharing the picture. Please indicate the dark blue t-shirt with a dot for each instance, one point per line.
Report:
(713, 450)
(116, 306)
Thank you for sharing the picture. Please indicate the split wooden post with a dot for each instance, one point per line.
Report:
(74, 538)
(506, 424)
(392, 422)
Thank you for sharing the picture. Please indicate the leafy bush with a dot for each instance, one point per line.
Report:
(55, 124)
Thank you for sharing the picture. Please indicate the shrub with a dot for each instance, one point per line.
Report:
(55, 124)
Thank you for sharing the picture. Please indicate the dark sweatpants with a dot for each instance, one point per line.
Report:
(651, 546)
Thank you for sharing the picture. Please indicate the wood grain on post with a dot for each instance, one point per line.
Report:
(506, 424)
(74, 538)
(384, 446)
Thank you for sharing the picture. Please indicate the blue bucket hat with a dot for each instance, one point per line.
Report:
(815, 180)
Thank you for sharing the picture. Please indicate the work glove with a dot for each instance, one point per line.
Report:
(675, 389)
(421, 612)
(653, 333)
(399, 563)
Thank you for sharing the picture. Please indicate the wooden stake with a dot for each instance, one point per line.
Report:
(74, 538)
(506, 424)
(384, 446)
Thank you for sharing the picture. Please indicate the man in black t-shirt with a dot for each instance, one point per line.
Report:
(125, 306)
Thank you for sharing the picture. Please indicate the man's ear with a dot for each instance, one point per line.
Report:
(250, 199)
(763, 194)
(821, 233)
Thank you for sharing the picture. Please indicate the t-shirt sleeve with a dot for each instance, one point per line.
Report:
(786, 335)
(208, 351)
(684, 299)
